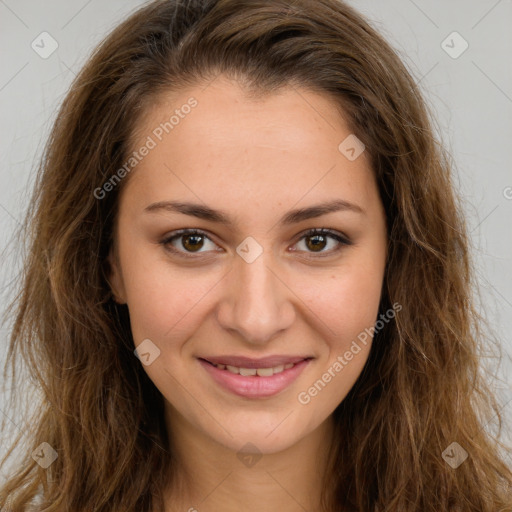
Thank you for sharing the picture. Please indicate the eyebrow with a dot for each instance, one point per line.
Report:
(292, 217)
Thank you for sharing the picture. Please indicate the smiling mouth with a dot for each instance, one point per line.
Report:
(254, 378)
(251, 372)
(262, 371)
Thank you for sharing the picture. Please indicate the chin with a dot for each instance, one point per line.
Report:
(265, 435)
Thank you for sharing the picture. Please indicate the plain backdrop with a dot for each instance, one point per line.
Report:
(459, 52)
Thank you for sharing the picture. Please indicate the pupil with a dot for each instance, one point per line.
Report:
(315, 244)
(194, 245)
(318, 243)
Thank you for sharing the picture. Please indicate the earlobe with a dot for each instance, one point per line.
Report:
(115, 279)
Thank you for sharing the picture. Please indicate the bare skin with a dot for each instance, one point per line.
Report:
(255, 160)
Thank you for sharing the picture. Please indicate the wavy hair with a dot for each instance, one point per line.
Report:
(422, 387)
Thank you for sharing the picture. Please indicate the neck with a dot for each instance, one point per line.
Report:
(212, 477)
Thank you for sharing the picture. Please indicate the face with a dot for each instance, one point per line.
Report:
(239, 306)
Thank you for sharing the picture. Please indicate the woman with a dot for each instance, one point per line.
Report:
(248, 284)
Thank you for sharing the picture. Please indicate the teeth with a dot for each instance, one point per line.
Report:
(262, 372)
(247, 372)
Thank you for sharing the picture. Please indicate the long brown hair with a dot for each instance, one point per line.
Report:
(422, 387)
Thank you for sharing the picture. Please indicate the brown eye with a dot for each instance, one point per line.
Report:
(316, 240)
(187, 242)
(192, 242)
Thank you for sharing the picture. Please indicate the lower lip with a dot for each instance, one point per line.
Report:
(254, 386)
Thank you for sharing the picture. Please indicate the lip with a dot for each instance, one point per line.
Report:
(249, 362)
(255, 386)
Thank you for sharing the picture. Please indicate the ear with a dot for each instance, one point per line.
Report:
(115, 277)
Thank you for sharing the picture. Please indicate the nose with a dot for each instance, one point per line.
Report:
(257, 304)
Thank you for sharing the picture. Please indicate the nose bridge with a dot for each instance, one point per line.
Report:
(256, 304)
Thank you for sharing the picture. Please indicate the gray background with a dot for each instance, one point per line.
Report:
(471, 96)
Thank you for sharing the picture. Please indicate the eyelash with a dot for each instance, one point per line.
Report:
(341, 239)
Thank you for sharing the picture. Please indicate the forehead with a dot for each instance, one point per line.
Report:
(225, 112)
(216, 139)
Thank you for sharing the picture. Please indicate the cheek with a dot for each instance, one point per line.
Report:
(346, 302)
(169, 302)
(164, 300)
(166, 307)
(346, 309)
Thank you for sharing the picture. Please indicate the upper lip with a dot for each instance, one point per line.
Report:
(248, 362)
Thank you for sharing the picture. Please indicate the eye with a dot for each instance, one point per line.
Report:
(186, 242)
(192, 240)
(315, 241)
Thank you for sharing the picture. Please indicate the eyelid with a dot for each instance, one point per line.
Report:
(182, 232)
(338, 235)
(341, 238)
